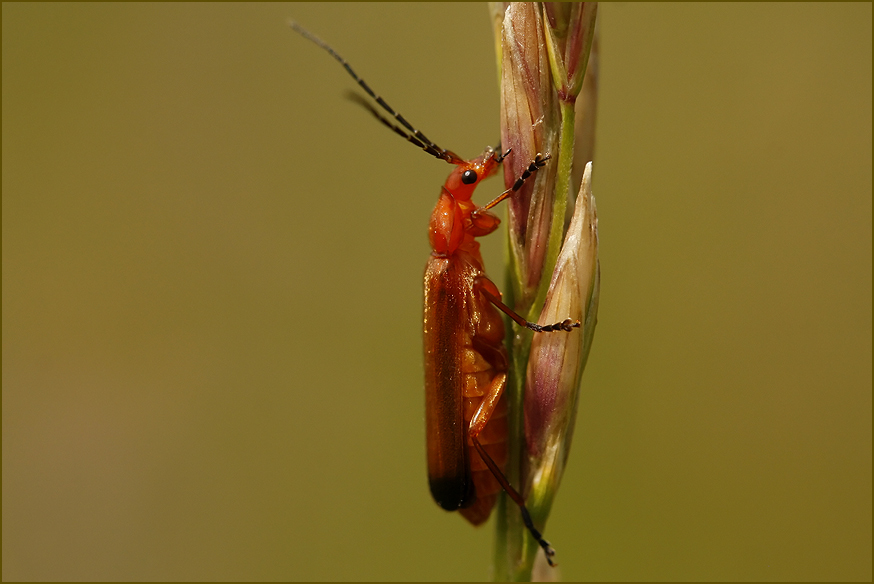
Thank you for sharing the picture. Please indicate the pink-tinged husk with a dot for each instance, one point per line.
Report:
(557, 360)
(569, 34)
(529, 126)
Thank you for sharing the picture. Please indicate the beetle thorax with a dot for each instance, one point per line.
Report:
(450, 228)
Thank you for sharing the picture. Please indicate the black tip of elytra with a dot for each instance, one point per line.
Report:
(450, 492)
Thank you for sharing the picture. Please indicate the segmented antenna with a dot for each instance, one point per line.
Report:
(414, 136)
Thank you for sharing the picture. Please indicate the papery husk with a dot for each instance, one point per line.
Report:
(556, 361)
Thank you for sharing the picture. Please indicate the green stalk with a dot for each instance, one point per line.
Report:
(516, 549)
(510, 533)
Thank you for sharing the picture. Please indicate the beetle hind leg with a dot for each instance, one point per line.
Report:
(517, 498)
(477, 424)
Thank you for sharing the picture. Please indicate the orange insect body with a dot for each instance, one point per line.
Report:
(465, 360)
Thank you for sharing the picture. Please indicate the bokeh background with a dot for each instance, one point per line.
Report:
(212, 270)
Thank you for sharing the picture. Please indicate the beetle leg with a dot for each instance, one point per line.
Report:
(477, 423)
(536, 164)
(491, 292)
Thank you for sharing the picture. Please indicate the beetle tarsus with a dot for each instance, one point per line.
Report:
(566, 325)
(548, 551)
(517, 498)
(500, 157)
(547, 548)
(538, 162)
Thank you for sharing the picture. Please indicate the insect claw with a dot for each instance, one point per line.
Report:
(548, 551)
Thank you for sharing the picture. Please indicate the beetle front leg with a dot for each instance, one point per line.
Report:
(536, 164)
(477, 424)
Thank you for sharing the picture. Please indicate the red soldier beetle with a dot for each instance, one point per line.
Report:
(466, 363)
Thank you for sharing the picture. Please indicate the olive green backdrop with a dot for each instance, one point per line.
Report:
(212, 269)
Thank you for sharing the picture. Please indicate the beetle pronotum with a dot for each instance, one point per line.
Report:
(465, 360)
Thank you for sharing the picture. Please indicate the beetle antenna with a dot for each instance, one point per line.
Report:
(429, 147)
(414, 136)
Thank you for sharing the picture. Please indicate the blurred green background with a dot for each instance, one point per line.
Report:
(212, 271)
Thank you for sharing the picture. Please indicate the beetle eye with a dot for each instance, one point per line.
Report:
(468, 177)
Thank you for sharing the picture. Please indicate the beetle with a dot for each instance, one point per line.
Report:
(466, 363)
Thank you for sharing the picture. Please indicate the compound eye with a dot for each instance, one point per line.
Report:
(468, 177)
